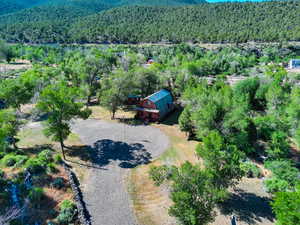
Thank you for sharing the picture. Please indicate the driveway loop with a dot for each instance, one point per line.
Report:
(116, 148)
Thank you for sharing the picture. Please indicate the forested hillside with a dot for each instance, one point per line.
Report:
(9, 6)
(150, 21)
(235, 22)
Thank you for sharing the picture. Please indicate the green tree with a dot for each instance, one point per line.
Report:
(9, 127)
(95, 67)
(62, 103)
(6, 52)
(284, 176)
(286, 206)
(193, 195)
(279, 147)
(221, 160)
(19, 91)
(185, 121)
(248, 89)
(115, 90)
(147, 81)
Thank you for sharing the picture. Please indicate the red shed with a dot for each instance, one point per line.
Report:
(155, 106)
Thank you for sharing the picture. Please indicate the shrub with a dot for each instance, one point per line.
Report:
(51, 168)
(9, 160)
(20, 160)
(284, 170)
(35, 165)
(36, 195)
(14, 160)
(57, 159)
(67, 212)
(58, 183)
(1, 174)
(279, 147)
(284, 176)
(160, 174)
(2, 154)
(251, 170)
(286, 206)
(275, 185)
(46, 156)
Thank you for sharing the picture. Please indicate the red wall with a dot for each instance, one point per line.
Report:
(148, 115)
(147, 104)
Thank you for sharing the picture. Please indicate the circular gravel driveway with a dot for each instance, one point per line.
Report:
(116, 148)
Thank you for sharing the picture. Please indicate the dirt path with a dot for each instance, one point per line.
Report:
(116, 149)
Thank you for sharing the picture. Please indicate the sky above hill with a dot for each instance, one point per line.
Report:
(235, 0)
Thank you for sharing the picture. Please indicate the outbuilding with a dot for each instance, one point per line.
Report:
(133, 99)
(156, 106)
(294, 64)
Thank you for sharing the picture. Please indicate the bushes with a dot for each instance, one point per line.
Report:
(36, 195)
(279, 147)
(9, 160)
(274, 185)
(251, 170)
(67, 212)
(42, 163)
(46, 156)
(160, 174)
(57, 159)
(284, 176)
(58, 183)
(35, 165)
(286, 207)
(14, 160)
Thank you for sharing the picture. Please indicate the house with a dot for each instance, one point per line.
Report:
(150, 61)
(133, 99)
(156, 106)
(294, 64)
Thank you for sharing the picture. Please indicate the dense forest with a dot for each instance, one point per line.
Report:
(140, 21)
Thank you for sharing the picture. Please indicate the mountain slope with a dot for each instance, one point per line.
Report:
(9, 6)
(220, 22)
(268, 21)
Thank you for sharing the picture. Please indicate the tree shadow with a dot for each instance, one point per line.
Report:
(36, 149)
(128, 155)
(84, 153)
(40, 214)
(173, 117)
(247, 207)
(131, 121)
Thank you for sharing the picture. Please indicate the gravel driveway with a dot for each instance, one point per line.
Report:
(117, 148)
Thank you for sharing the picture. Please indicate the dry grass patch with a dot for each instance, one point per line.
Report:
(150, 202)
(101, 113)
(32, 137)
(19, 64)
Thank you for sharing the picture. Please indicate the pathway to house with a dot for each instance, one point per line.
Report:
(116, 148)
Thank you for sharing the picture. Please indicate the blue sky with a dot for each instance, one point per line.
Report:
(234, 0)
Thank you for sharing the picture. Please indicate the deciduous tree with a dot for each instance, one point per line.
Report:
(62, 103)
